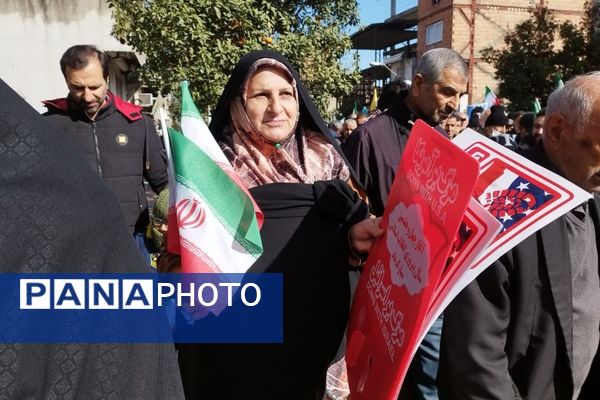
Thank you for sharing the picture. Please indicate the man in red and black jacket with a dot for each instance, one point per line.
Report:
(112, 135)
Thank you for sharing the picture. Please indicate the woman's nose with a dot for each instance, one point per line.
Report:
(275, 105)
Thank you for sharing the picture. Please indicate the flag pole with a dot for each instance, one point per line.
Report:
(167, 141)
(170, 165)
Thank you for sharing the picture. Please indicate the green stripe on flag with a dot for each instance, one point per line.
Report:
(199, 173)
(536, 107)
(188, 108)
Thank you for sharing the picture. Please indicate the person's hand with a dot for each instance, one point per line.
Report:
(168, 263)
(362, 235)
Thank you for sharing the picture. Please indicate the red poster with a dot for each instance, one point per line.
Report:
(433, 186)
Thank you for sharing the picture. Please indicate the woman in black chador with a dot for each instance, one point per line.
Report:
(315, 227)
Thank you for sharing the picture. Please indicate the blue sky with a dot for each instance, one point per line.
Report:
(371, 11)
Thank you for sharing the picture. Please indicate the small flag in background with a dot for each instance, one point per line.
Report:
(558, 82)
(374, 100)
(490, 99)
(536, 107)
(213, 221)
(355, 109)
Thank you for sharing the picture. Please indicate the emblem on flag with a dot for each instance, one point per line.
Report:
(190, 213)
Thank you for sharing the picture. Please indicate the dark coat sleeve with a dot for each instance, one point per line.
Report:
(591, 387)
(474, 363)
(156, 175)
(357, 149)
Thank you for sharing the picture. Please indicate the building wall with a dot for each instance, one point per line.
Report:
(35, 33)
(493, 20)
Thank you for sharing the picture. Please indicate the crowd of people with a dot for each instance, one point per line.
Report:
(517, 130)
(527, 328)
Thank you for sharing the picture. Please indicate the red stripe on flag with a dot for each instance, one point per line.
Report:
(194, 260)
(173, 245)
(486, 178)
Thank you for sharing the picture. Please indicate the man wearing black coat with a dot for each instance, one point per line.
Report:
(113, 136)
(529, 326)
(375, 149)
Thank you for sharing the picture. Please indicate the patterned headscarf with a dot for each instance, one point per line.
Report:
(306, 156)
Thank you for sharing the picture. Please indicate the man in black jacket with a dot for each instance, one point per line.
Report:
(529, 326)
(113, 136)
(375, 148)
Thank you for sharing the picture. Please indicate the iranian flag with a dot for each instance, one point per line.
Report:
(213, 221)
(536, 107)
(490, 99)
(558, 82)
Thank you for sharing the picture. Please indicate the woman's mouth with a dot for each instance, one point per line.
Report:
(274, 123)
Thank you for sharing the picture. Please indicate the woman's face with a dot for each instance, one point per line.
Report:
(271, 104)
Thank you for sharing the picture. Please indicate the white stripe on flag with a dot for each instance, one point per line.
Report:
(196, 130)
(501, 183)
(212, 241)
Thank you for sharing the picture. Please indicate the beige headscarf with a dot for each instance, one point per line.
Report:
(304, 157)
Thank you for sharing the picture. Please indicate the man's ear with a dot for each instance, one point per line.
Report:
(554, 128)
(417, 83)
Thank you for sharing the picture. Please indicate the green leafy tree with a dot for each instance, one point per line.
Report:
(527, 65)
(591, 33)
(201, 40)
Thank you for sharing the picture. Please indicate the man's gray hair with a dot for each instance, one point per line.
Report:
(435, 61)
(576, 99)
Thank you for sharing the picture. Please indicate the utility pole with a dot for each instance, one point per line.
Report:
(472, 50)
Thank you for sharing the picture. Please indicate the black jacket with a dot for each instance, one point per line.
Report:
(121, 145)
(375, 148)
(508, 335)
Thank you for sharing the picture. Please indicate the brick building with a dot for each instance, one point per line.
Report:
(468, 26)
